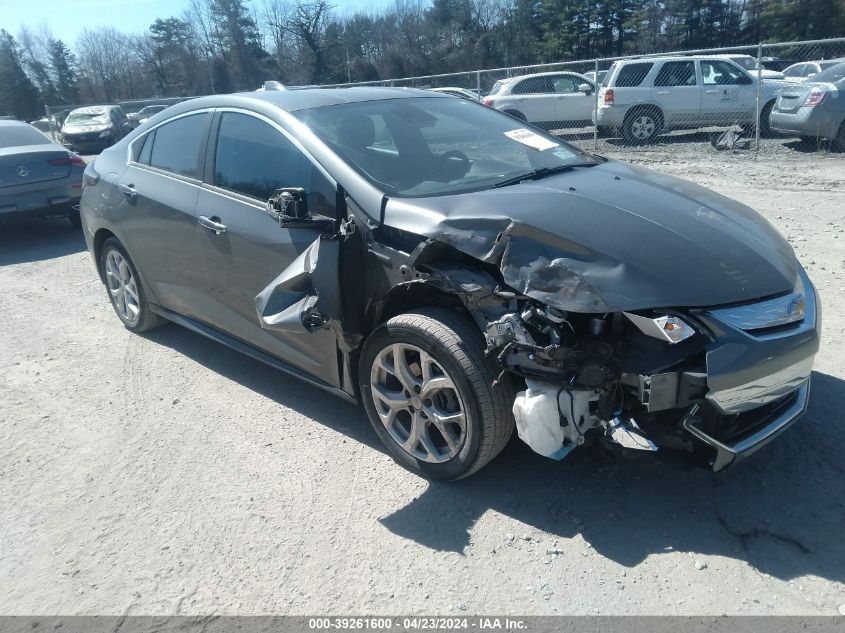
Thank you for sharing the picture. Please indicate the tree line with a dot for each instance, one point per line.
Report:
(218, 46)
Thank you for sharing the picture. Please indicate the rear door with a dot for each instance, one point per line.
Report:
(248, 251)
(155, 210)
(677, 90)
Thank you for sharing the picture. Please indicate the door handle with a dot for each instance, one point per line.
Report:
(128, 191)
(713, 92)
(212, 224)
(663, 92)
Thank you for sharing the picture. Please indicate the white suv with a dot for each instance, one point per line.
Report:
(550, 100)
(644, 97)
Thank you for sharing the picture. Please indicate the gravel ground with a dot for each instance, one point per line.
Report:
(164, 474)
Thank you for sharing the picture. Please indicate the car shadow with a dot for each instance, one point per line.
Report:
(35, 240)
(269, 382)
(782, 510)
(814, 146)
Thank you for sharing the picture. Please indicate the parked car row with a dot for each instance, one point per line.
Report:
(642, 98)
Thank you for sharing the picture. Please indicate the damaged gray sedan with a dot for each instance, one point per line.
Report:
(458, 273)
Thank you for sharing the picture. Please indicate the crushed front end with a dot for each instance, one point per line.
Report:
(714, 384)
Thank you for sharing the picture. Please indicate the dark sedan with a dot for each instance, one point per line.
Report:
(815, 109)
(459, 274)
(38, 178)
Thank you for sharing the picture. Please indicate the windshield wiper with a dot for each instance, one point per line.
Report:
(542, 172)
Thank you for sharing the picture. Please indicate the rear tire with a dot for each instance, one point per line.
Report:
(443, 374)
(75, 220)
(125, 289)
(839, 141)
(642, 126)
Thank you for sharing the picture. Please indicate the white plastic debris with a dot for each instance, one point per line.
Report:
(538, 419)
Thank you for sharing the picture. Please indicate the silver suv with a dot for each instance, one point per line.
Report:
(645, 97)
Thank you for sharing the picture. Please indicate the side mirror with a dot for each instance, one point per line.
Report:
(585, 88)
(288, 205)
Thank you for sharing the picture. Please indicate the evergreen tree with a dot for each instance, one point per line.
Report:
(63, 66)
(18, 96)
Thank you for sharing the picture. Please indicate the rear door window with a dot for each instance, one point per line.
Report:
(631, 75)
(676, 74)
(176, 145)
(533, 85)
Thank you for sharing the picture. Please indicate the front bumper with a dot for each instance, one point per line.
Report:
(758, 378)
(768, 422)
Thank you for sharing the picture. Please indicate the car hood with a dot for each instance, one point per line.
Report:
(610, 237)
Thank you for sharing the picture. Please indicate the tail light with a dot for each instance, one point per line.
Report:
(608, 96)
(488, 102)
(72, 159)
(815, 97)
(90, 177)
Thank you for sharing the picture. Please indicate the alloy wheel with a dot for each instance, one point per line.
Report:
(418, 403)
(123, 288)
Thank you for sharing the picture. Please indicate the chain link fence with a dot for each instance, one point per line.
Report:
(754, 98)
(712, 99)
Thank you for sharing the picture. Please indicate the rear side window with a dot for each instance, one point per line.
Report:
(533, 85)
(176, 145)
(146, 148)
(676, 74)
(631, 75)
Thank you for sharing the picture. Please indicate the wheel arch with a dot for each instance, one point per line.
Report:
(100, 238)
(645, 107)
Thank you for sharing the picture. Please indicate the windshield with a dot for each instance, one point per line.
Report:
(87, 118)
(17, 135)
(749, 63)
(430, 146)
(832, 74)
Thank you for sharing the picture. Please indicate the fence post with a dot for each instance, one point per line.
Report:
(50, 122)
(596, 110)
(478, 83)
(757, 106)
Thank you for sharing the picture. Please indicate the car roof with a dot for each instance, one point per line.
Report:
(94, 109)
(12, 123)
(304, 98)
(545, 74)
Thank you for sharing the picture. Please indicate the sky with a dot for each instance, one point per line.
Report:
(67, 18)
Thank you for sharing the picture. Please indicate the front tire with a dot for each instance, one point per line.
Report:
(428, 390)
(125, 290)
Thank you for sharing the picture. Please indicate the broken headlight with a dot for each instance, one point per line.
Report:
(669, 328)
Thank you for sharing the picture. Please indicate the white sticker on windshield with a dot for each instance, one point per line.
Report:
(531, 139)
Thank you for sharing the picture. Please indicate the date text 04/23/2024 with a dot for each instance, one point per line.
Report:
(418, 623)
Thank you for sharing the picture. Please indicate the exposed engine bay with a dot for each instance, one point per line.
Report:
(590, 377)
